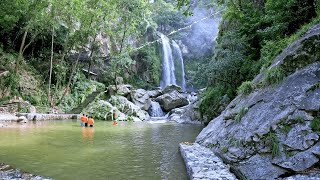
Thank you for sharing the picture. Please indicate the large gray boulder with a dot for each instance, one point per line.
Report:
(172, 100)
(121, 90)
(155, 93)
(186, 115)
(141, 98)
(268, 132)
(101, 110)
(128, 108)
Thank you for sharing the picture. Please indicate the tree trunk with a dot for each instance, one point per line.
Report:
(70, 78)
(121, 46)
(90, 57)
(20, 56)
(50, 74)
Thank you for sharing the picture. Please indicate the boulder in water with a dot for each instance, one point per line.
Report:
(187, 114)
(172, 100)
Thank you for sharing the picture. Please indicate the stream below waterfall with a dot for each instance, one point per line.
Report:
(64, 150)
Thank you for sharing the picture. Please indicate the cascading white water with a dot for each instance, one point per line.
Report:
(178, 52)
(168, 76)
(155, 110)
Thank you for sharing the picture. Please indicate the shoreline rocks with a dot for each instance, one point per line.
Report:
(24, 117)
(7, 172)
(202, 163)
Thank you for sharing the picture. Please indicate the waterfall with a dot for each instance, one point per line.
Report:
(179, 54)
(168, 76)
(155, 110)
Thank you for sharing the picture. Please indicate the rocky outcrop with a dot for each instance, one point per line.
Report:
(154, 93)
(171, 88)
(203, 164)
(128, 108)
(273, 131)
(100, 109)
(141, 98)
(8, 117)
(121, 90)
(172, 100)
(187, 114)
(44, 117)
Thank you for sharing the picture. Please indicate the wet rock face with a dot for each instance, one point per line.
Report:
(172, 100)
(141, 98)
(271, 131)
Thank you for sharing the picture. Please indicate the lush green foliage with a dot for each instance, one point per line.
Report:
(251, 35)
(212, 103)
(274, 76)
(245, 88)
(240, 114)
(315, 124)
(273, 141)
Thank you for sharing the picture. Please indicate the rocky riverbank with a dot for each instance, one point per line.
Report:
(7, 172)
(6, 118)
(202, 163)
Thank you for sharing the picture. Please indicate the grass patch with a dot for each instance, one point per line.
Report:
(224, 150)
(299, 120)
(211, 146)
(274, 76)
(245, 88)
(241, 113)
(273, 141)
(315, 124)
(285, 128)
(314, 87)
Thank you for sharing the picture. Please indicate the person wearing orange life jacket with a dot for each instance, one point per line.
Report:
(86, 121)
(91, 121)
(82, 118)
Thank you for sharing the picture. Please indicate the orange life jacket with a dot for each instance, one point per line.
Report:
(91, 121)
(85, 120)
(82, 118)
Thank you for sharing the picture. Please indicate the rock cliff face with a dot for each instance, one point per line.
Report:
(274, 131)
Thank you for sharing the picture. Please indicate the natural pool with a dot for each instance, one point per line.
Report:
(64, 150)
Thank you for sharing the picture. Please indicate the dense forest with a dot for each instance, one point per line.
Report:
(48, 46)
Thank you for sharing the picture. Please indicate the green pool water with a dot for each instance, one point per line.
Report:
(64, 150)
